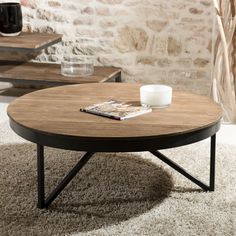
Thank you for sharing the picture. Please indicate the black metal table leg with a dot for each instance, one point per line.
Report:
(68, 178)
(118, 79)
(212, 163)
(40, 172)
(182, 171)
(42, 202)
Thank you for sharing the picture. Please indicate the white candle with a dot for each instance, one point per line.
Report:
(155, 95)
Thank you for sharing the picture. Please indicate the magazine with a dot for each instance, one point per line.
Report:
(116, 110)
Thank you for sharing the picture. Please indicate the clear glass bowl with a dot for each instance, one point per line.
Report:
(77, 66)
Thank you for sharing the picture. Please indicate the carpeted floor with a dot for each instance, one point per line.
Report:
(117, 194)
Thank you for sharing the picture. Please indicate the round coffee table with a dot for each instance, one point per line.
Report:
(52, 117)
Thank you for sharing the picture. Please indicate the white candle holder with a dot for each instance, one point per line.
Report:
(155, 95)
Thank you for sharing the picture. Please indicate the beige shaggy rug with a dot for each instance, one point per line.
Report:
(118, 194)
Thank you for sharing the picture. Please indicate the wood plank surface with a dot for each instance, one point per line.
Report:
(29, 41)
(56, 111)
(51, 73)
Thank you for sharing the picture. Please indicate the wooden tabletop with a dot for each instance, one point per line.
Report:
(50, 73)
(29, 42)
(56, 111)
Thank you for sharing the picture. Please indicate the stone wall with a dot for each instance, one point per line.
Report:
(153, 41)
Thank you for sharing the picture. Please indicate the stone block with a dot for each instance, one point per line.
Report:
(174, 47)
(157, 25)
(131, 39)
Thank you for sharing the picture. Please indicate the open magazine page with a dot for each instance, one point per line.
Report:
(116, 110)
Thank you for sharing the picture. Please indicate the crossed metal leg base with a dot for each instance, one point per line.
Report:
(45, 202)
(42, 202)
(182, 171)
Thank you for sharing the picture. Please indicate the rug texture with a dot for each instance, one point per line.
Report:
(118, 194)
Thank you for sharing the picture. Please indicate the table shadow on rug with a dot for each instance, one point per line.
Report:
(110, 189)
